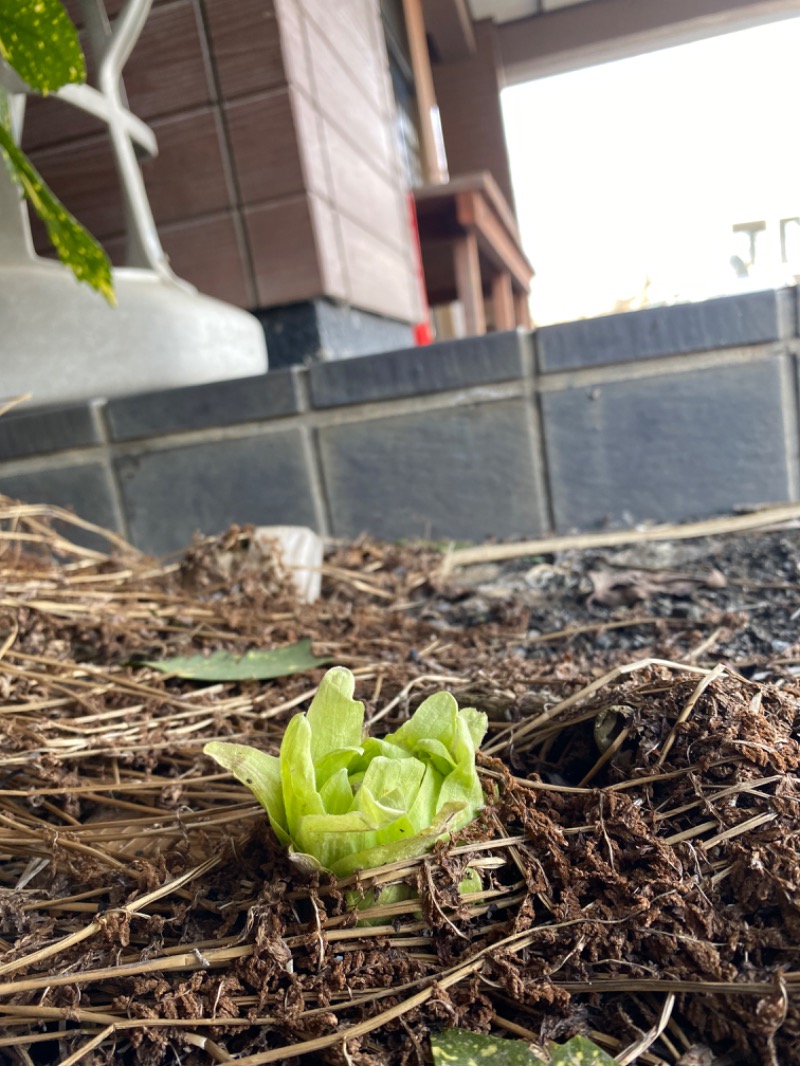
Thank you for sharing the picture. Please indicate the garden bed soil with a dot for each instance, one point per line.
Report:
(639, 850)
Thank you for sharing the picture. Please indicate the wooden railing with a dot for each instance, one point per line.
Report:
(471, 252)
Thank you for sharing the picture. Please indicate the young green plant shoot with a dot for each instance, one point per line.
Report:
(343, 803)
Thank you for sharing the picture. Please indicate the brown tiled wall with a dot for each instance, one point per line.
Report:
(278, 177)
(468, 95)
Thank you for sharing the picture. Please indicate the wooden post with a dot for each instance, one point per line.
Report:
(469, 288)
(504, 311)
(433, 167)
(523, 309)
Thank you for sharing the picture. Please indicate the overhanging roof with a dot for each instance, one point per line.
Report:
(542, 37)
(506, 10)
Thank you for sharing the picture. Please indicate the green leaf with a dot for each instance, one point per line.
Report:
(261, 773)
(477, 723)
(333, 762)
(371, 858)
(463, 785)
(76, 247)
(373, 746)
(402, 777)
(329, 838)
(350, 806)
(580, 1051)
(252, 666)
(436, 753)
(40, 42)
(337, 793)
(377, 815)
(434, 719)
(423, 810)
(458, 1047)
(336, 719)
(298, 779)
(5, 121)
(470, 882)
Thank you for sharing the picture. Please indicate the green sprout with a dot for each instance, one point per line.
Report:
(343, 803)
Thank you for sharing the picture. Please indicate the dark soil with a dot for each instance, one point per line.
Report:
(639, 852)
(734, 598)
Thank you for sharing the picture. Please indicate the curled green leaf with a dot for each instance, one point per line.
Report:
(343, 803)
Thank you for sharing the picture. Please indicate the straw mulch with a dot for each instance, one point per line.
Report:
(639, 850)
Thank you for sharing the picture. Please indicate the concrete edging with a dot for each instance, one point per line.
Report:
(512, 434)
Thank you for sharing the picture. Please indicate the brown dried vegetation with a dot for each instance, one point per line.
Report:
(639, 850)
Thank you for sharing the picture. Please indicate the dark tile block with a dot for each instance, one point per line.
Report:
(414, 371)
(727, 322)
(223, 403)
(292, 333)
(667, 448)
(86, 489)
(317, 329)
(48, 429)
(463, 472)
(346, 332)
(171, 494)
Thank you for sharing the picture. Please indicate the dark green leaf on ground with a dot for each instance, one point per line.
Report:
(252, 666)
(38, 39)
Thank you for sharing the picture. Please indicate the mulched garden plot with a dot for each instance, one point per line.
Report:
(639, 851)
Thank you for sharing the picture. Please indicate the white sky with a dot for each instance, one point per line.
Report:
(640, 168)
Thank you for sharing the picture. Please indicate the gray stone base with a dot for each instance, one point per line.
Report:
(303, 333)
(629, 419)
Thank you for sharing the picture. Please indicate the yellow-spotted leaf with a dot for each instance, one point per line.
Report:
(580, 1051)
(459, 1047)
(40, 42)
(76, 247)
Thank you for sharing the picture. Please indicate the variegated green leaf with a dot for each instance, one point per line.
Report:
(40, 42)
(580, 1051)
(459, 1047)
(76, 247)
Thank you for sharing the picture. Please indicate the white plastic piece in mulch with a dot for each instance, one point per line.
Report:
(301, 553)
